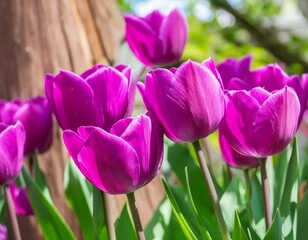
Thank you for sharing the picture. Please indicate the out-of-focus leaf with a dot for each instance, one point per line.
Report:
(178, 214)
(202, 228)
(275, 230)
(99, 220)
(238, 231)
(79, 196)
(301, 233)
(52, 224)
(291, 180)
(163, 224)
(232, 199)
(124, 226)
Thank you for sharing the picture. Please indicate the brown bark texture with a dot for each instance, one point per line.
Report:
(43, 36)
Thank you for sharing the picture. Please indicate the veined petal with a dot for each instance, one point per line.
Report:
(113, 164)
(92, 70)
(110, 89)
(73, 101)
(276, 123)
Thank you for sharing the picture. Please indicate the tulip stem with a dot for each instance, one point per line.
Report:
(136, 218)
(249, 194)
(266, 196)
(11, 213)
(212, 191)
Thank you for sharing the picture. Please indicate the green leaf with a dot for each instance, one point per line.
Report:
(52, 224)
(178, 214)
(202, 228)
(100, 230)
(79, 195)
(280, 163)
(163, 224)
(275, 230)
(301, 233)
(238, 231)
(233, 199)
(40, 179)
(291, 181)
(124, 226)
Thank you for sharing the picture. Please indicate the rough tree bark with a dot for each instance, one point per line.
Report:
(39, 36)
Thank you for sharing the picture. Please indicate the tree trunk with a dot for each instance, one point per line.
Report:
(39, 37)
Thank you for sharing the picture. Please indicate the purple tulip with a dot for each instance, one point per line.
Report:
(121, 161)
(99, 97)
(188, 101)
(35, 115)
(3, 232)
(258, 123)
(20, 199)
(233, 158)
(233, 70)
(157, 40)
(12, 140)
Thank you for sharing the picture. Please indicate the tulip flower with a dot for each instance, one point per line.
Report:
(157, 40)
(188, 101)
(20, 199)
(35, 115)
(232, 70)
(99, 97)
(12, 140)
(258, 123)
(235, 159)
(121, 161)
(3, 232)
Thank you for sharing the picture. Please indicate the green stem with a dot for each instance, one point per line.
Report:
(266, 196)
(249, 194)
(11, 213)
(212, 191)
(135, 214)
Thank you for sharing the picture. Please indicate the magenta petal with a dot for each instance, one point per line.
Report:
(35, 114)
(154, 20)
(3, 232)
(105, 157)
(173, 34)
(92, 70)
(12, 140)
(110, 89)
(21, 201)
(73, 101)
(235, 159)
(276, 123)
(141, 38)
(209, 63)
(259, 94)
(241, 110)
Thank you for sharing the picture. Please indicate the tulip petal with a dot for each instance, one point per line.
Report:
(144, 138)
(173, 35)
(241, 110)
(183, 102)
(141, 38)
(233, 158)
(12, 140)
(73, 98)
(92, 70)
(276, 122)
(110, 89)
(20, 199)
(259, 94)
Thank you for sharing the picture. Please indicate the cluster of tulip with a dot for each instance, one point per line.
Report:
(256, 111)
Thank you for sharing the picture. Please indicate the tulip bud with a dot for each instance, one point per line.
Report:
(258, 123)
(99, 97)
(121, 161)
(12, 140)
(188, 101)
(157, 40)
